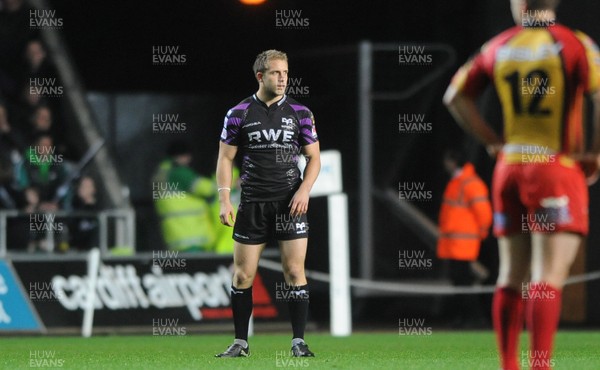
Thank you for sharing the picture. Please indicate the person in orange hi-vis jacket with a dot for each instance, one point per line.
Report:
(466, 213)
(464, 221)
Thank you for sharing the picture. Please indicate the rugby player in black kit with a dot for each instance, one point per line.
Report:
(271, 130)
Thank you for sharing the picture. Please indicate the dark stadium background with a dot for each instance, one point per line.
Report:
(111, 43)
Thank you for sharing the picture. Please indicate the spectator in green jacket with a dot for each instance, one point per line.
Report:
(182, 200)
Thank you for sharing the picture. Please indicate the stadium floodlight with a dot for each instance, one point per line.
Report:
(252, 2)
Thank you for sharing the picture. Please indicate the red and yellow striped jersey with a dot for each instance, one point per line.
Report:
(540, 76)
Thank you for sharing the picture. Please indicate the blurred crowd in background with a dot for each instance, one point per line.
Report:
(36, 160)
(39, 171)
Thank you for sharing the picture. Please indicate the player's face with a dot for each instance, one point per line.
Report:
(274, 79)
(517, 7)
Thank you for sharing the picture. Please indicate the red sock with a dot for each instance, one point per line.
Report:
(507, 315)
(543, 314)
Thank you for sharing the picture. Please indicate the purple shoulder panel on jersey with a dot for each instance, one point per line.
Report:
(231, 130)
(234, 121)
(307, 134)
(298, 107)
(306, 121)
(240, 106)
(232, 124)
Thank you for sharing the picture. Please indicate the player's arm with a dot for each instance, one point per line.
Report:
(464, 110)
(299, 203)
(590, 161)
(589, 75)
(466, 86)
(596, 138)
(224, 177)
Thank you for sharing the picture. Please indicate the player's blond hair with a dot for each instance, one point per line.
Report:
(542, 4)
(261, 63)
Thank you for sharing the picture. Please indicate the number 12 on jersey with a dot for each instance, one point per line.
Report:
(535, 84)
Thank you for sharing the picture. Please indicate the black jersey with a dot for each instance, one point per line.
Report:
(270, 139)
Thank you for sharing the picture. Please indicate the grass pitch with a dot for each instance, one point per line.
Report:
(439, 351)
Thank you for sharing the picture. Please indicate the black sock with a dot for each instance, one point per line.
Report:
(241, 305)
(298, 305)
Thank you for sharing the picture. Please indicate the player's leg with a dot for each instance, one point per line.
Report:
(245, 265)
(559, 199)
(508, 306)
(293, 255)
(515, 251)
(250, 233)
(552, 257)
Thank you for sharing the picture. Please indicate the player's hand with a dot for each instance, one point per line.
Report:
(226, 214)
(494, 149)
(590, 165)
(299, 203)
